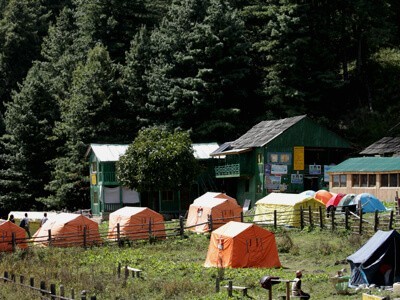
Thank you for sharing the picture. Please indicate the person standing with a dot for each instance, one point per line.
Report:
(25, 224)
(296, 286)
(44, 219)
(11, 219)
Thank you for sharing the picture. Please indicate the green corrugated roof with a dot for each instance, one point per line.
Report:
(368, 164)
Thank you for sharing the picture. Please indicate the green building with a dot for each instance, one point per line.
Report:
(287, 155)
(107, 195)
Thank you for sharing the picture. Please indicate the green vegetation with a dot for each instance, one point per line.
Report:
(173, 269)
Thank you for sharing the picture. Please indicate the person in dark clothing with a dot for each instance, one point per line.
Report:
(25, 224)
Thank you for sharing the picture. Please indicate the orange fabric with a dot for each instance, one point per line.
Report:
(68, 230)
(134, 223)
(7, 228)
(221, 207)
(242, 245)
(323, 196)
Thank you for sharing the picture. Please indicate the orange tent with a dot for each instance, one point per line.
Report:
(67, 230)
(7, 229)
(323, 196)
(221, 207)
(242, 245)
(135, 223)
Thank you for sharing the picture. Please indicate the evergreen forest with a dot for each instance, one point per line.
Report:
(75, 72)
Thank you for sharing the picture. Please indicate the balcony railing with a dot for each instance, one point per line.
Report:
(232, 170)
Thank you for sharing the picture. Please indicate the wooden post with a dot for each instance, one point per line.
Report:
(230, 288)
(287, 290)
(21, 279)
(126, 272)
(150, 232)
(217, 284)
(5, 276)
(181, 227)
(72, 294)
(391, 220)
(119, 235)
(321, 217)
(13, 242)
(310, 217)
(210, 223)
(361, 219)
(49, 236)
(332, 212)
(12, 277)
(241, 217)
(84, 237)
(83, 295)
(62, 291)
(346, 218)
(43, 287)
(53, 291)
(301, 219)
(275, 219)
(119, 270)
(32, 282)
(93, 298)
(376, 221)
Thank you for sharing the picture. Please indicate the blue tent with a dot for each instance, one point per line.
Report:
(380, 254)
(369, 203)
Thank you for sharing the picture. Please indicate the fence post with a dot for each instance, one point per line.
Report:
(376, 221)
(360, 226)
(391, 220)
(13, 242)
(32, 282)
(21, 279)
(43, 287)
(119, 235)
(310, 217)
(5, 276)
(150, 232)
(275, 219)
(83, 295)
(181, 227)
(93, 298)
(84, 237)
(53, 291)
(126, 272)
(210, 223)
(301, 219)
(346, 218)
(241, 217)
(332, 212)
(49, 236)
(62, 290)
(321, 219)
(230, 288)
(217, 284)
(12, 277)
(72, 294)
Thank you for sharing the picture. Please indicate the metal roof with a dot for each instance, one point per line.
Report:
(386, 145)
(264, 132)
(367, 164)
(203, 151)
(107, 152)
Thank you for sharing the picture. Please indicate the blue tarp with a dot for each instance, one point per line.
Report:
(383, 248)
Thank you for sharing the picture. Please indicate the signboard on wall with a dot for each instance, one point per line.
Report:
(279, 169)
(315, 169)
(272, 182)
(297, 178)
(298, 161)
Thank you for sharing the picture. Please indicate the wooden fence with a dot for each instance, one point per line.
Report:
(43, 292)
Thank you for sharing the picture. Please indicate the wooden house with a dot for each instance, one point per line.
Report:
(286, 155)
(107, 195)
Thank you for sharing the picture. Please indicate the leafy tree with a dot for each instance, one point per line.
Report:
(157, 160)
(199, 68)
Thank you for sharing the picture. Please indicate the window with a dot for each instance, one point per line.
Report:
(94, 167)
(384, 180)
(371, 180)
(393, 180)
(167, 196)
(339, 180)
(355, 180)
(280, 157)
(95, 198)
(363, 180)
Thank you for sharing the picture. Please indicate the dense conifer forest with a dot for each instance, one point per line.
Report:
(75, 72)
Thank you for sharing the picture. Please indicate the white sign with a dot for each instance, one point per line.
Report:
(278, 169)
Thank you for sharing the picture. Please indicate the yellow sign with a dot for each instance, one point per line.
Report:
(298, 158)
(94, 179)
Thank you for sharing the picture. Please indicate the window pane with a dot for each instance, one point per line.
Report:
(363, 180)
(95, 197)
(335, 181)
(94, 167)
(384, 180)
(343, 179)
(354, 180)
(372, 180)
(393, 180)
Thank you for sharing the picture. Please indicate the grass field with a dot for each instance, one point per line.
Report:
(173, 268)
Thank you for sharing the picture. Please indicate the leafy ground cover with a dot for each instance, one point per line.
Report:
(173, 268)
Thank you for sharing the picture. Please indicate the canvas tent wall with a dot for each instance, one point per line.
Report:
(221, 207)
(383, 248)
(135, 223)
(242, 245)
(369, 203)
(68, 230)
(7, 229)
(287, 207)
